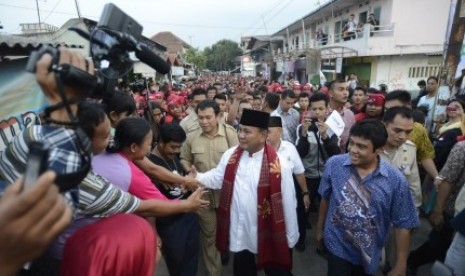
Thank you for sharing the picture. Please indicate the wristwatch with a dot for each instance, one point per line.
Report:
(305, 193)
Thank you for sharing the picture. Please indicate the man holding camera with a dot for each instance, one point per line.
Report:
(315, 145)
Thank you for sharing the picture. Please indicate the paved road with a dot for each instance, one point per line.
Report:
(310, 263)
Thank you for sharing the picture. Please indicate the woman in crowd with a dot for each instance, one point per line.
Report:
(449, 132)
(156, 119)
(175, 110)
(374, 108)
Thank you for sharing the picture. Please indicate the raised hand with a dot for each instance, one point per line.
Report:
(195, 201)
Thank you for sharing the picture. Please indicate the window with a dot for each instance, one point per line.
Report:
(362, 17)
(423, 72)
(297, 42)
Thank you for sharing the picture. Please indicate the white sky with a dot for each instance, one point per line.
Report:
(200, 23)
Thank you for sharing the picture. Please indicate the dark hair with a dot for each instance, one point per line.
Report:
(373, 90)
(332, 83)
(361, 88)
(432, 78)
(272, 100)
(418, 117)
(120, 103)
(257, 98)
(318, 97)
(90, 115)
(303, 95)
(198, 91)
(401, 95)
(462, 103)
(208, 104)
(421, 83)
(220, 96)
(156, 106)
(263, 89)
(129, 131)
(391, 113)
(371, 129)
(172, 133)
(288, 94)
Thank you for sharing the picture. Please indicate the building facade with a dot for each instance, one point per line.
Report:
(405, 45)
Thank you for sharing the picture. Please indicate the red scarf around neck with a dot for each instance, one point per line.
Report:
(273, 250)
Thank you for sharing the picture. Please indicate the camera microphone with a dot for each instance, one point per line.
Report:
(144, 54)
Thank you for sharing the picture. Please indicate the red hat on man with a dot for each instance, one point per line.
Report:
(376, 99)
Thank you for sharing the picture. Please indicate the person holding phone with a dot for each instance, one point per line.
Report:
(315, 145)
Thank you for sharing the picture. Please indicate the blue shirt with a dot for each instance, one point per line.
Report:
(361, 211)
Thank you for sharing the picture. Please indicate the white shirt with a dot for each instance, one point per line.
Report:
(289, 153)
(243, 230)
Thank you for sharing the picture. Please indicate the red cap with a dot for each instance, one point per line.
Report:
(376, 99)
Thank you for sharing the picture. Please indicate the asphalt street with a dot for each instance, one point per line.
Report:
(309, 262)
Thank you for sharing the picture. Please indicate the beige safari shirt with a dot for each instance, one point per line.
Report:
(205, 153)
(405, 159)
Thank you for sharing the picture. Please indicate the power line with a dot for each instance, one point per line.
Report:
(276, 13)
(141, 21)
(53, 9)
(275, 5)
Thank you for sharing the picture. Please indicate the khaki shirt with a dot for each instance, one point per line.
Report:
(205, 153)
(405, 159)
(190, 123)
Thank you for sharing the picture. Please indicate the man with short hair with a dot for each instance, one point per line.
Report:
(222, 102)
(211, 92)
(191, 122)
(203, 149)
(303, 103)
(338, 96)
(359, 97)
(399, 150)
(179, 233)
(270, 103)
(257, 102)
(362, 197)
(419, 136)
(257, 218)
(290, 116)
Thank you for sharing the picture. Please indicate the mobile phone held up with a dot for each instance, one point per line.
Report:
(36, 163)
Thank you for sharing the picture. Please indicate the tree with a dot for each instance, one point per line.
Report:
(196, 57)
(221, 55)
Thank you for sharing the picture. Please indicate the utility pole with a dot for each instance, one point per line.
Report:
(38, 14)
(77, 8)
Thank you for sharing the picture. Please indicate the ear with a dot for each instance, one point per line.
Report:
(114, 116)
(133, 147)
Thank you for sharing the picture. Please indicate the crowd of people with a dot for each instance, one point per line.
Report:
(232, 168)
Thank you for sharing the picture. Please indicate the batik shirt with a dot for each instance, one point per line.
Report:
(361, 210)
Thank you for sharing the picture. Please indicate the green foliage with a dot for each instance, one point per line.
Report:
(220, 56)
(196, 57)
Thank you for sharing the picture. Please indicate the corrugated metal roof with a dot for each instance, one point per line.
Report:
(15, 45)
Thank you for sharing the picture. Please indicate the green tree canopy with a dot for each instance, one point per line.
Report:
(220, 56)
(196, 57)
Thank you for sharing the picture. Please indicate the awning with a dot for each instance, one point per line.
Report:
(332, 52)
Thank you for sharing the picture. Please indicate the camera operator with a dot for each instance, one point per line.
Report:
(59, 136)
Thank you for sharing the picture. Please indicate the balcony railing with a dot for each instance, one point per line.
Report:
(360, 38)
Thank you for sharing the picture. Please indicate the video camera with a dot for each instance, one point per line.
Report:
(115, 37)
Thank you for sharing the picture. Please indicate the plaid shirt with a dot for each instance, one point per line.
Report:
(63, 157)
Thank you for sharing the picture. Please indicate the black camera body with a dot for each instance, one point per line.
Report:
(116, 35)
